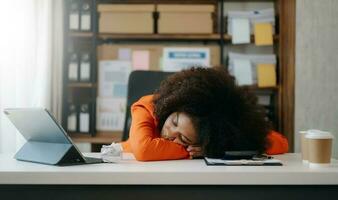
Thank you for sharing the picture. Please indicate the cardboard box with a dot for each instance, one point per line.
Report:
(185, 19)
(126, 18)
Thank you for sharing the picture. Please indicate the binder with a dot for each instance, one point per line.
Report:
(86, 16)
(74, 16)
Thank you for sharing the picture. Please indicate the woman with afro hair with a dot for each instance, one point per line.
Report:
(199, 112)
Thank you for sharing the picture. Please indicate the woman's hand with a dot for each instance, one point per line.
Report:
(195, 151)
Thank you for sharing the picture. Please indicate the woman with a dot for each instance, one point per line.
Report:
(199, 112)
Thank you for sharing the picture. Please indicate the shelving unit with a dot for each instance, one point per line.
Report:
(284, 45)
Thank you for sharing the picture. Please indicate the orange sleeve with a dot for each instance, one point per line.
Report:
(145, 144)
(278, 143)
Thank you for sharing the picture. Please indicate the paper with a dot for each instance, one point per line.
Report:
(177, 59)
(240, 31)
(73, 71)
(110, 114)
(74, 21)
(254, 16)
(255, 59)
(85, 22)
(84, 122)
(124, 54)
(85, 71)
(266, 75)
(243, 72)
(112, 152)
(113, 78)
(141, 60)
(263, 34)
(263, 100)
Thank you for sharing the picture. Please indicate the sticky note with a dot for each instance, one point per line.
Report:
(243, 72)
(266, 75)
(140, 60)
(263, 34)
(124, 54)
(240, 31)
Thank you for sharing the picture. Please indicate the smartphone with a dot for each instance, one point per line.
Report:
(239, 155)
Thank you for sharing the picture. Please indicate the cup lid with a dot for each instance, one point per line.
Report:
(318, 134)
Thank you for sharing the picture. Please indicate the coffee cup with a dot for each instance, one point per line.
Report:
(319, 145)
(304, 146)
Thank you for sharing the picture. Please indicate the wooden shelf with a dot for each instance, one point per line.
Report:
(114, 36)
(81, 85)
(99, 138)
(252, 38)
(81, 34)
(159, 36)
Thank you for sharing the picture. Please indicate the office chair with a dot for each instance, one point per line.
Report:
(140, 83)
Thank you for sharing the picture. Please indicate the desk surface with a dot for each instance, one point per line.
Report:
(178, 172)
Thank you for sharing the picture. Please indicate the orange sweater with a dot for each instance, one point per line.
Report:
(146, 144)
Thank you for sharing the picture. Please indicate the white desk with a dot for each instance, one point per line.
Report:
(169, 176)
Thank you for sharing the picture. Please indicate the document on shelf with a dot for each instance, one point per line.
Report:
(263, 34)
(124, 54)
(266, 75)
(141, 59)
(254, 16)
(113, 78)
(177, 59)
(110, 113)
(240, 31)
(255, 59)
(265, 162)
(243, 72)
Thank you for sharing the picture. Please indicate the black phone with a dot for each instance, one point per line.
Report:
(239, 155)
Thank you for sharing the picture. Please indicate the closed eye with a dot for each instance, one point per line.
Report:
(175, 120)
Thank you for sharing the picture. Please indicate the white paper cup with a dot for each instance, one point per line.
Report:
(319, 148)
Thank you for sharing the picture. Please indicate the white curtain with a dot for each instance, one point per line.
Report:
(26, 62)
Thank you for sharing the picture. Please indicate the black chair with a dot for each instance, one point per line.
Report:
(140, 83)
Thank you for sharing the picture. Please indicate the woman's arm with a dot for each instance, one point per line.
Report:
(146, 144)
(278, 143)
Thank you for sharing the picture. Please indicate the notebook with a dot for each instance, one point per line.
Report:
(242, 162)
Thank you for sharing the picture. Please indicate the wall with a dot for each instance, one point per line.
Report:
(316, 89)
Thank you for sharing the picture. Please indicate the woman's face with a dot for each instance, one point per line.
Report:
(179, 128)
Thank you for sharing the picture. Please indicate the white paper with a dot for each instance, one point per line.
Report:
(110, 114)
(73, 71)
(243, 72)
(254, 16)
(71, 122)
(111, 153)
(263, 100)
(84, 122)
(85, 71)
(113, 78)
(177, 59)
(254, 59)
(124, 54)
(85, 22)
(74, 21)
(240, 31)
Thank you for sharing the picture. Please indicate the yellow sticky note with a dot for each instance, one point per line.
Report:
(266, 75)
(263, 34)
